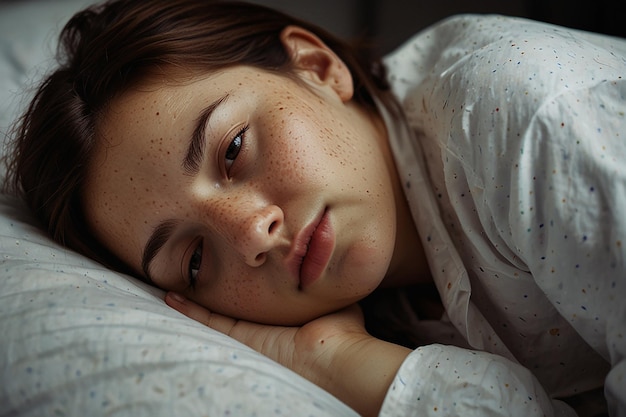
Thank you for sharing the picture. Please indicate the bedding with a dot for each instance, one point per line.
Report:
(80, 340)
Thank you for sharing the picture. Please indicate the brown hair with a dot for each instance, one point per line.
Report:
(106, 49)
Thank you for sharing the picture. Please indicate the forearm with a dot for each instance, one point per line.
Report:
(360, 372)
(334, 351)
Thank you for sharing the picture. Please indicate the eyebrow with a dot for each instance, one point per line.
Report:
(195, 150)
(157, 239)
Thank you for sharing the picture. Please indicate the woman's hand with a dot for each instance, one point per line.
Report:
(334, 351)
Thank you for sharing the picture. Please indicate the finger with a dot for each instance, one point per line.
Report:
(262, 338)
(199, 313)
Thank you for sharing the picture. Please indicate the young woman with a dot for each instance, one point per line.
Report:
(255, 167)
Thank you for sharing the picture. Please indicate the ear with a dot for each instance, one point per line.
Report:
(316, 62)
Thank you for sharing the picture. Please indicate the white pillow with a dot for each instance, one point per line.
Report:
(81, 340)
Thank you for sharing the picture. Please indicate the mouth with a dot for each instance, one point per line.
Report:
(312, 250)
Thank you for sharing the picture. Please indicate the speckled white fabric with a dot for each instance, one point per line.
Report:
(514, 167)
(79, 340)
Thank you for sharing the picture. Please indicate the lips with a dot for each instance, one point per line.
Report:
(312, 250)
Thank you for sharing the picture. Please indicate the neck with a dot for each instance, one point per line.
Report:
(408, 265)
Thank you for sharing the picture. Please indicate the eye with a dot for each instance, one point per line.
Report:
(194, 265)
(234, 147)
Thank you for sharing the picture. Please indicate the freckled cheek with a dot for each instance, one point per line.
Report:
(295, 151)
(242, 296)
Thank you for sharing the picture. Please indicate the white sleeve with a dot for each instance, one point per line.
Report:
(540, 137)
(564, 215)
(438, 380)
(572, 235)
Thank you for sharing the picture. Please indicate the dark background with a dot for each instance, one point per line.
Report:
(390, 22)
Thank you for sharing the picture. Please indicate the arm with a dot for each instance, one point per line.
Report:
(565, 217)
(531, 121)
(440, 380)
(560, 215)
(334, 351)
(580, 258)
(532, 117)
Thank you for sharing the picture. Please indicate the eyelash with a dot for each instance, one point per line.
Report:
(240, 138)
(194, 265)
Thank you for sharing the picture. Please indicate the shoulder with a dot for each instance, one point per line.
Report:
(488, 79)
(487, 49)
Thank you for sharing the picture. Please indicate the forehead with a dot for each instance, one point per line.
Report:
(153, 123)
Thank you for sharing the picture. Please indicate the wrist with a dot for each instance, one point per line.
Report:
(358, 370)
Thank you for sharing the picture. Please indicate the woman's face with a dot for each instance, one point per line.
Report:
(246, 192)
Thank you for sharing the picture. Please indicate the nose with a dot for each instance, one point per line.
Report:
(260, 232)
